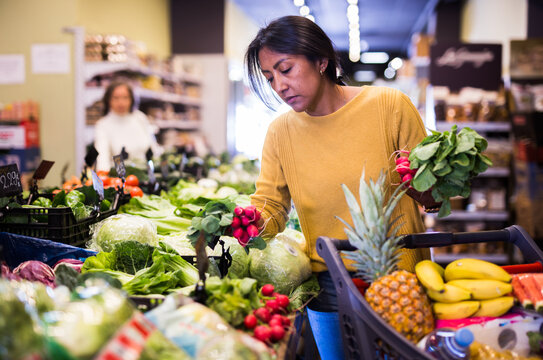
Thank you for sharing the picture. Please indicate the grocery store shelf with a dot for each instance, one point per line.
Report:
(93, 94)
(493, 258)
(477, 126)
(495, 172)
(462, 215)
(178, 124)
(103, 67)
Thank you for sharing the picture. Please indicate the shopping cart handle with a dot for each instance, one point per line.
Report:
(440, 239)
(342, 245)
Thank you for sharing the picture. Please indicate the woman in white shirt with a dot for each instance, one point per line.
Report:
(122, 126)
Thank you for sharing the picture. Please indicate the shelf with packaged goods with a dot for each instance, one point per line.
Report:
(477, 126)
(93, 69)
(495, 172)
(178, 124)
(480, 215)
(93, 94)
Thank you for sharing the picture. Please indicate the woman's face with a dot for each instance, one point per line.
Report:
(120, 100)
(294, 78)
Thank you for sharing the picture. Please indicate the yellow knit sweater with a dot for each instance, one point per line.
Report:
(306, 159)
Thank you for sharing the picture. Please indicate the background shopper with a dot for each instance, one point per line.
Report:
(122, 126)
(331, 134)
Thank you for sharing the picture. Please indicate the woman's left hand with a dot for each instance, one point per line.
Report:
(425, 199)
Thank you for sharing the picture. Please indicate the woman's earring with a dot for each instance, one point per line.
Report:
(321, 71)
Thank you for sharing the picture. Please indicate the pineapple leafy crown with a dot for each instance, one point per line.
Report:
(374, 234)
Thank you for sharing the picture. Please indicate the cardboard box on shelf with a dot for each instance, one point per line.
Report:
(26, 159)
(21, 136)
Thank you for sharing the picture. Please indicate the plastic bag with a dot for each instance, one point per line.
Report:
(122, 227)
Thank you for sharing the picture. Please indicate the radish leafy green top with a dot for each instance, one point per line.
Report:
(447, 162)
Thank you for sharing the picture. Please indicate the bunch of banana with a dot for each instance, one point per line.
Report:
(466, 288)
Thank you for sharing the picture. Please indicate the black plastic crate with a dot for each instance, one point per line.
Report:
(367, 336)
(57, 224)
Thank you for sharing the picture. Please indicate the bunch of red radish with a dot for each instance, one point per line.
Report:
(403, 167)
(244, 226)
(269, 323)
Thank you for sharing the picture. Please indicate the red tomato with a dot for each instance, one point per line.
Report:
(88, 182)
(136, 192)
(116, 182)
(132, 180)
(105, 179)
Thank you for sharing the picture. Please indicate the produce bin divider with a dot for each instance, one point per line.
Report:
(365, 334)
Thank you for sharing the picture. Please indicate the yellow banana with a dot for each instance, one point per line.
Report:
(475, 269)
(457, 310)
(483, 289)
(495, 307)
(450, 295)
(429, 275)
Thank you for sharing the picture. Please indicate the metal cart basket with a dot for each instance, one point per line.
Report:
(365, 334)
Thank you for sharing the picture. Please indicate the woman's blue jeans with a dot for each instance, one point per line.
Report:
(323, 317)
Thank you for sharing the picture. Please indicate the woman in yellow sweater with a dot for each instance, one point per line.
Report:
(332, 132)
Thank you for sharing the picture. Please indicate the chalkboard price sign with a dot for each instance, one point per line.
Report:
(119, 166)
(10, 180)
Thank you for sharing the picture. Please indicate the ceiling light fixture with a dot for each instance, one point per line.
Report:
(310, 17)
(374, 57)
(354, 30)
(299, 3)
(304, 10)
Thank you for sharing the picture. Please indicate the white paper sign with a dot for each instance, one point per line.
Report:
(12, 69)
(50, 59)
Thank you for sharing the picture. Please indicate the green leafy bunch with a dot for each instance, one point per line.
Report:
(447, 162)
(214, 220)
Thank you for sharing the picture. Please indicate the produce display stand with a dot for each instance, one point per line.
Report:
(367, 336)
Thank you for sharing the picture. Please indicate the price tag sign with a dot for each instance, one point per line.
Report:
(149, 154)
(42, 170)
(98, 185)
(10, 180)
(119, 165)
(91, 156)
(151, 171)
(164, 169)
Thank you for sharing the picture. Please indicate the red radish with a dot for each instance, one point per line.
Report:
(402, 169)
(286, 321)
(277, 333)
(237, 233)
(407, 178)
(277, 317)
(250, 321)
(238, 211)
(402, 160)
(267, 290)
(250, 212)
(282, 300)
(243, 240)
(273, 305)
(263, 314)
(252, 230)
(257, 216)
(245, 221)
(275, 322)
(413, 172)
(236, 222)
(263, 333)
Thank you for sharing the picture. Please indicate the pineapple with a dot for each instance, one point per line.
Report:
(395, 295)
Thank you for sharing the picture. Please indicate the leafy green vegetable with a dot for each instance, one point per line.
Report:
(447, 162)
(303, 293)
(74, 197)
(122, 227)
(240, 259)
(67, 276)
(132, 256)
(43, 202)
(213, 220)
(158, 210)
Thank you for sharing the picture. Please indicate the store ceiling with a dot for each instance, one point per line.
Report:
(386, 25)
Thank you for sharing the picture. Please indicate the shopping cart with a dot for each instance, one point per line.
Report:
(365, 334)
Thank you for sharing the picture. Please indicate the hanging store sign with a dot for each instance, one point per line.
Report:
(458, 65)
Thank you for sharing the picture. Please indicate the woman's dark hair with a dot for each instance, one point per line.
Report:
(294, 35)
(109, 93)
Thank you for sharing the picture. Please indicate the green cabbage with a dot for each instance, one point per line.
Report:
(282, 263)
(122, 227)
